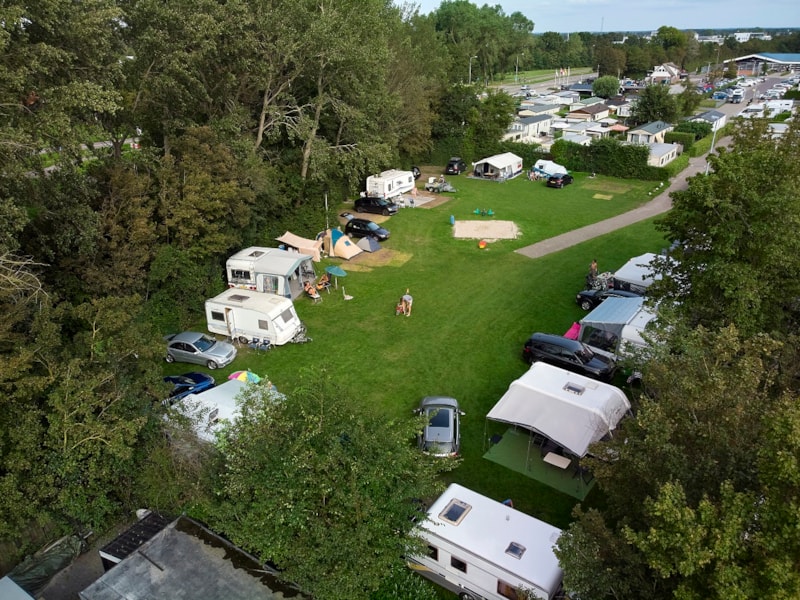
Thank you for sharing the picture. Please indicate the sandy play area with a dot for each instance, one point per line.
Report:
(486, 230)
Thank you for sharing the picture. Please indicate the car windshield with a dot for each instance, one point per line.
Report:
(585, 354)
(440, 417)
(204, 343)
(372, 226)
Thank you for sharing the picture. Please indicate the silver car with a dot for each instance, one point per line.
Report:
(200, 349)
(442, 433)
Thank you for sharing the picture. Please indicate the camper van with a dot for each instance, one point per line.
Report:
(249, 316)
(270, 270)
(390, 184)
(482, 549)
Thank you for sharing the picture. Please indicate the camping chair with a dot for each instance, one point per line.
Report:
(324, 283)
(313, 293)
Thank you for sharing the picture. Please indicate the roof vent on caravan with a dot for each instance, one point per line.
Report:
(455, 511)
(237, 297)
(516, 550)
(574, 388)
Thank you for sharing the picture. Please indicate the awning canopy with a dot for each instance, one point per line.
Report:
(570, 409)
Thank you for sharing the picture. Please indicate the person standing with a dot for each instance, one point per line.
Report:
(593, 269)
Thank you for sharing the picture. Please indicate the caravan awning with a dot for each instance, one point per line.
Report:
(570, 409)
(506, 161)
(304, 246)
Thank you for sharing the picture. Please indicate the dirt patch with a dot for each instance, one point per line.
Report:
(602, 197)
(486, 230)
(613, 187)
(366, 261)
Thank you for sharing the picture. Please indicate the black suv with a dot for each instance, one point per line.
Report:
(378, 206)
(589, 299)
(360, 228)
(456, 166)
(568, 354)
(559, 180)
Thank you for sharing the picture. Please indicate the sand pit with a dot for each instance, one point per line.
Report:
(486, 230)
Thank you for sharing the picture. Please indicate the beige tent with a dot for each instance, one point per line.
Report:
(338, 244)
(312, 248)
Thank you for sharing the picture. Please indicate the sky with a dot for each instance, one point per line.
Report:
(645, 15)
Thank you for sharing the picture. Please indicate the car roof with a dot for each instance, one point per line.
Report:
(557, 339)
(439, 401)
(187, 336)
(362, 221)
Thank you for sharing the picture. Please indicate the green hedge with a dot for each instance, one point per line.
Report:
(686, 139)
(609, 157)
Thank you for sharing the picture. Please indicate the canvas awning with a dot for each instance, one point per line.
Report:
(305, 246)
(569, 409)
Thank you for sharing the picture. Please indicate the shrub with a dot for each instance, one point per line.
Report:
(686, 139)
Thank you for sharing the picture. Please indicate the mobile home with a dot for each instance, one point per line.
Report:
(247, 315)
(270, 270)
(482, 549)
(390, 184)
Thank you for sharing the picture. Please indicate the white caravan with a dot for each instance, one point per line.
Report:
(270, 270)
(212, 406)
(390, 184)
(481, 549)
(249, 316)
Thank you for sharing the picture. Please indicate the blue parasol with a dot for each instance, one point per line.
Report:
(336, 271)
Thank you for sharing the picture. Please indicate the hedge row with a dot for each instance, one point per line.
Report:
(609, 157)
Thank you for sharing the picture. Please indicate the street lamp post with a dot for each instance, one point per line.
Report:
(470, 68)
(710, 152)
(516, 71)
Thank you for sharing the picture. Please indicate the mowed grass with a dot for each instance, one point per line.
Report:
(472, 311)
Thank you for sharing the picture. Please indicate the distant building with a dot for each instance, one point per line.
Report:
(649, 133)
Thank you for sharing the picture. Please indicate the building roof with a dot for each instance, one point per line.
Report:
(592, 109)
(186, 560)
(534, 119)
(661, 149)
(652, 127)
(771, 57)
(710, 115)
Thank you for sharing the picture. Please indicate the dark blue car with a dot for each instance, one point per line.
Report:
(188, 383)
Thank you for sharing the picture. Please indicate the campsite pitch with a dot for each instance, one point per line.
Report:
(486, 230)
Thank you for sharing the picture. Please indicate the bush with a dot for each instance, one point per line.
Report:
(699, 129)
(685, 139)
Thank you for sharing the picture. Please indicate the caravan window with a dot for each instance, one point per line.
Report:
(217, 316)
(288, 315)
(433, 552)
(262, 324)
(506, 590)
(455, 511)
(238, 274)
(459, 564)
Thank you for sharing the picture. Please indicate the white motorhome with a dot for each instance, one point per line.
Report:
(270, 270)
(482, 549)
(773, 108)
(248, 316)
(390, 184)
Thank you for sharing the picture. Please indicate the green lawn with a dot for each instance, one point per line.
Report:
(473, 309)
(537, 76)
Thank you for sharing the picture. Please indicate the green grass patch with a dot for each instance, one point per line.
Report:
(473, 309)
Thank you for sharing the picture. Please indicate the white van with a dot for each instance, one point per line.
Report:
(482, 549)
(249, 316)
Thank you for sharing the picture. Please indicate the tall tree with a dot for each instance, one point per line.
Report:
(328, 494)
(655, 103)
(737, 261)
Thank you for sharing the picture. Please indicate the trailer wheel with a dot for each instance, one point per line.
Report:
(211, 365)
(169, 358)
(466, 596)
(586, 305)
(243, 340)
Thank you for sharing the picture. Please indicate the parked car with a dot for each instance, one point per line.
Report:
(359, 228)
(456, 166)
(188, 383)
(719, 96)
(442, 434)
(200, 349)
(559, 180)
(569, 354)
(378, 206)
(589, 299)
